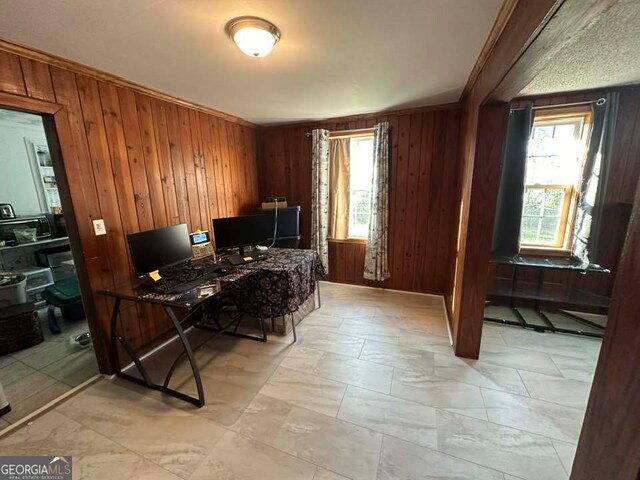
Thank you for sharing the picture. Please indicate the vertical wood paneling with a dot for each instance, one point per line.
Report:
(159, 114)
(151, 162)
(176, 163)
(135, 156)
(422, 193)
(138, 163)
(11, 80)
(37, 79)
(107, 197)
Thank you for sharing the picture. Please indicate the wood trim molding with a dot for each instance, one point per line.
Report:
(362, 241)
(39, 55)
(504, 14)
(29, 104)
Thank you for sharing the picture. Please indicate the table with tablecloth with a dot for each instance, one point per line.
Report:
(280, 284)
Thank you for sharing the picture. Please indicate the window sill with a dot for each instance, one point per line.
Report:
(348, 240)
(545, 252)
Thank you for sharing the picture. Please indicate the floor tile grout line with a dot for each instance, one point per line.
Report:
(416, 444)
(524, 383)
(117, 442)
(559, 458)
(248, 437)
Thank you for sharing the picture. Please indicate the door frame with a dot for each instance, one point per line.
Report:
(59, 139)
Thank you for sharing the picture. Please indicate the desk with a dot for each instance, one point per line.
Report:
(512, 289)
(276, 286)
(190, 302)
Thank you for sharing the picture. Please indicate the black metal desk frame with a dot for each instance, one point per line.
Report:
(187, 351)
(548, 326)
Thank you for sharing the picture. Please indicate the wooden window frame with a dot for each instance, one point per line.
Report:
(562, 248)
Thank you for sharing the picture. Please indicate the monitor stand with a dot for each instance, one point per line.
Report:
(245, 250)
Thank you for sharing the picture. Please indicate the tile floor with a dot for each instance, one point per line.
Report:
(33, 377)
(371, 390)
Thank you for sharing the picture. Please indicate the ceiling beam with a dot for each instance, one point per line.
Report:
(566, 26)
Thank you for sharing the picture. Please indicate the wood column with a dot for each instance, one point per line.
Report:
(609, 445)
(478, 212)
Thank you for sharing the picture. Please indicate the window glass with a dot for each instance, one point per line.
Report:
(360, 177)
(555, 154)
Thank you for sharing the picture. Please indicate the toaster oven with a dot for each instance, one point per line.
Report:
(40, 223)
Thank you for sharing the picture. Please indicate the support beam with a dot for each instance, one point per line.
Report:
(480, 201)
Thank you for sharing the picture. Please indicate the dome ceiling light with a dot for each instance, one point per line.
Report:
(254, 36)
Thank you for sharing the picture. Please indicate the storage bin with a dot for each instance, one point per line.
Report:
(37, 277)
(19, 328)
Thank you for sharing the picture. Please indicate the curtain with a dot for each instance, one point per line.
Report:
(320, 194)
(506, 229)
(376, 266)
(594, 180)
(339, 188)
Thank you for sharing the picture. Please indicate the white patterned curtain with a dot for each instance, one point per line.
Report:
(596, 172)
(320, 194)
(376, 265)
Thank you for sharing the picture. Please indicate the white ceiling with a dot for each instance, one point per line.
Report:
(335, 58)
(604, 55)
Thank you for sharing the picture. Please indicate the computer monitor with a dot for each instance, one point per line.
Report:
(159, 248)
(247, 230)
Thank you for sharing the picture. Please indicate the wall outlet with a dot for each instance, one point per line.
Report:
(99, 228)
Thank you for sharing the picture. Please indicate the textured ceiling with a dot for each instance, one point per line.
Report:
(604, 55)
(336, 57)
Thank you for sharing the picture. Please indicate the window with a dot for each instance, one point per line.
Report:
(360, 176)
(555, 158)
(350, 177)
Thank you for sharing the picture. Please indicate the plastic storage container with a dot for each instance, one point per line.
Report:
(38, 278)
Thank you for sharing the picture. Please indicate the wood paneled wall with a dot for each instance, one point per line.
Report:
(422, 198)
(138, 162)
(624, 173)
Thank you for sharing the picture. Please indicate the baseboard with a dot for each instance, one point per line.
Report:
(410, 292)
(49, 406)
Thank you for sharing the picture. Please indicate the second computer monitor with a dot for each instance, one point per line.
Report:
(243, 231)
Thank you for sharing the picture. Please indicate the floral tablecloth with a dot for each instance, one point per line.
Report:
(279, 284)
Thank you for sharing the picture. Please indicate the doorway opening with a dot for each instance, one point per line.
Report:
(45, 345)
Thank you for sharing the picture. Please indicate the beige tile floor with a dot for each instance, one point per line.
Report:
(35, 376)
(371, 390)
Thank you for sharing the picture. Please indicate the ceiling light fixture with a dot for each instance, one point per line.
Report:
(254, 36)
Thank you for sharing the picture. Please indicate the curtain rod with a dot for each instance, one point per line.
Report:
(346, 132)
(599, 101)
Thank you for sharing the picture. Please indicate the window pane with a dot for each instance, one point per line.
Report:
(360, 178)
(549, 230)
(555, 154)
(553, 198)
(534, 199)
(529, 231)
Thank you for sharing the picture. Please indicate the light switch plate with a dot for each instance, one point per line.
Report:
(99, 228)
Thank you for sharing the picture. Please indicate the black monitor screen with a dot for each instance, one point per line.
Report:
(242, 231)
(159, 248)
